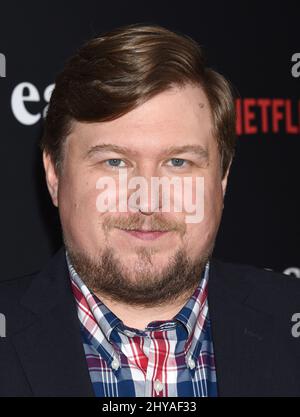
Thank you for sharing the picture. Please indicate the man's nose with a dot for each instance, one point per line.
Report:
(149, 198)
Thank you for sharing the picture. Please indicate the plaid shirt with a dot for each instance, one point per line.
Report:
(171, 358)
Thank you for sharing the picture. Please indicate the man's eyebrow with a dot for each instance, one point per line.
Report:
(197, 150)
(103, 147)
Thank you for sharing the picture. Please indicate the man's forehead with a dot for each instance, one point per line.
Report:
(143, 145)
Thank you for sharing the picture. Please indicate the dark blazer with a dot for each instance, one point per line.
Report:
(250, 309)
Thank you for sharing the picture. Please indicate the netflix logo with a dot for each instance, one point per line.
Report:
(267, 116)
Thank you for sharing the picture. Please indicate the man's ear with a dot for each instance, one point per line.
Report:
(51, 177)
(224, 180)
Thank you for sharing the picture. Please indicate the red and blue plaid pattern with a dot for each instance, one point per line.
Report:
(171, 358)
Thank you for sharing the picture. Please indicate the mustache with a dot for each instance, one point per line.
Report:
(136, 222)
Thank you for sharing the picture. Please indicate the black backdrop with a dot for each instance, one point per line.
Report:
(254, 44)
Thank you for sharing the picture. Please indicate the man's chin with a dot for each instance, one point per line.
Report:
(144, 264)
(141, 272)
(143, 254)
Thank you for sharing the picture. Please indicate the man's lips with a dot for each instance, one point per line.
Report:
(145, 234)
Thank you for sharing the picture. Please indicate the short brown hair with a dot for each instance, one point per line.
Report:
(112, 74)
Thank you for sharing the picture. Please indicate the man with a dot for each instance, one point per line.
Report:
(134, 304)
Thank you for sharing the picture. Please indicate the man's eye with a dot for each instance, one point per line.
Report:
(176, 162)
(114, 163)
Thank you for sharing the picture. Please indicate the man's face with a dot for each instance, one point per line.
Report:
(141, 142)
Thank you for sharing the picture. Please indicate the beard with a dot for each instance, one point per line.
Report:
(143, 284)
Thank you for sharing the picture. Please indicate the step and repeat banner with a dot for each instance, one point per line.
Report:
(256, 45)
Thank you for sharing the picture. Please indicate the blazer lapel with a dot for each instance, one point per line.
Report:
(50, 347)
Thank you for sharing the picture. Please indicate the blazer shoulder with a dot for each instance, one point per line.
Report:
(36, 282)
(265, 290)
(12, 290)
(254, 276)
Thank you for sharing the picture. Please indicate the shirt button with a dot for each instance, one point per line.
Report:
(115, 364)
(191, 363)
(158, 386)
